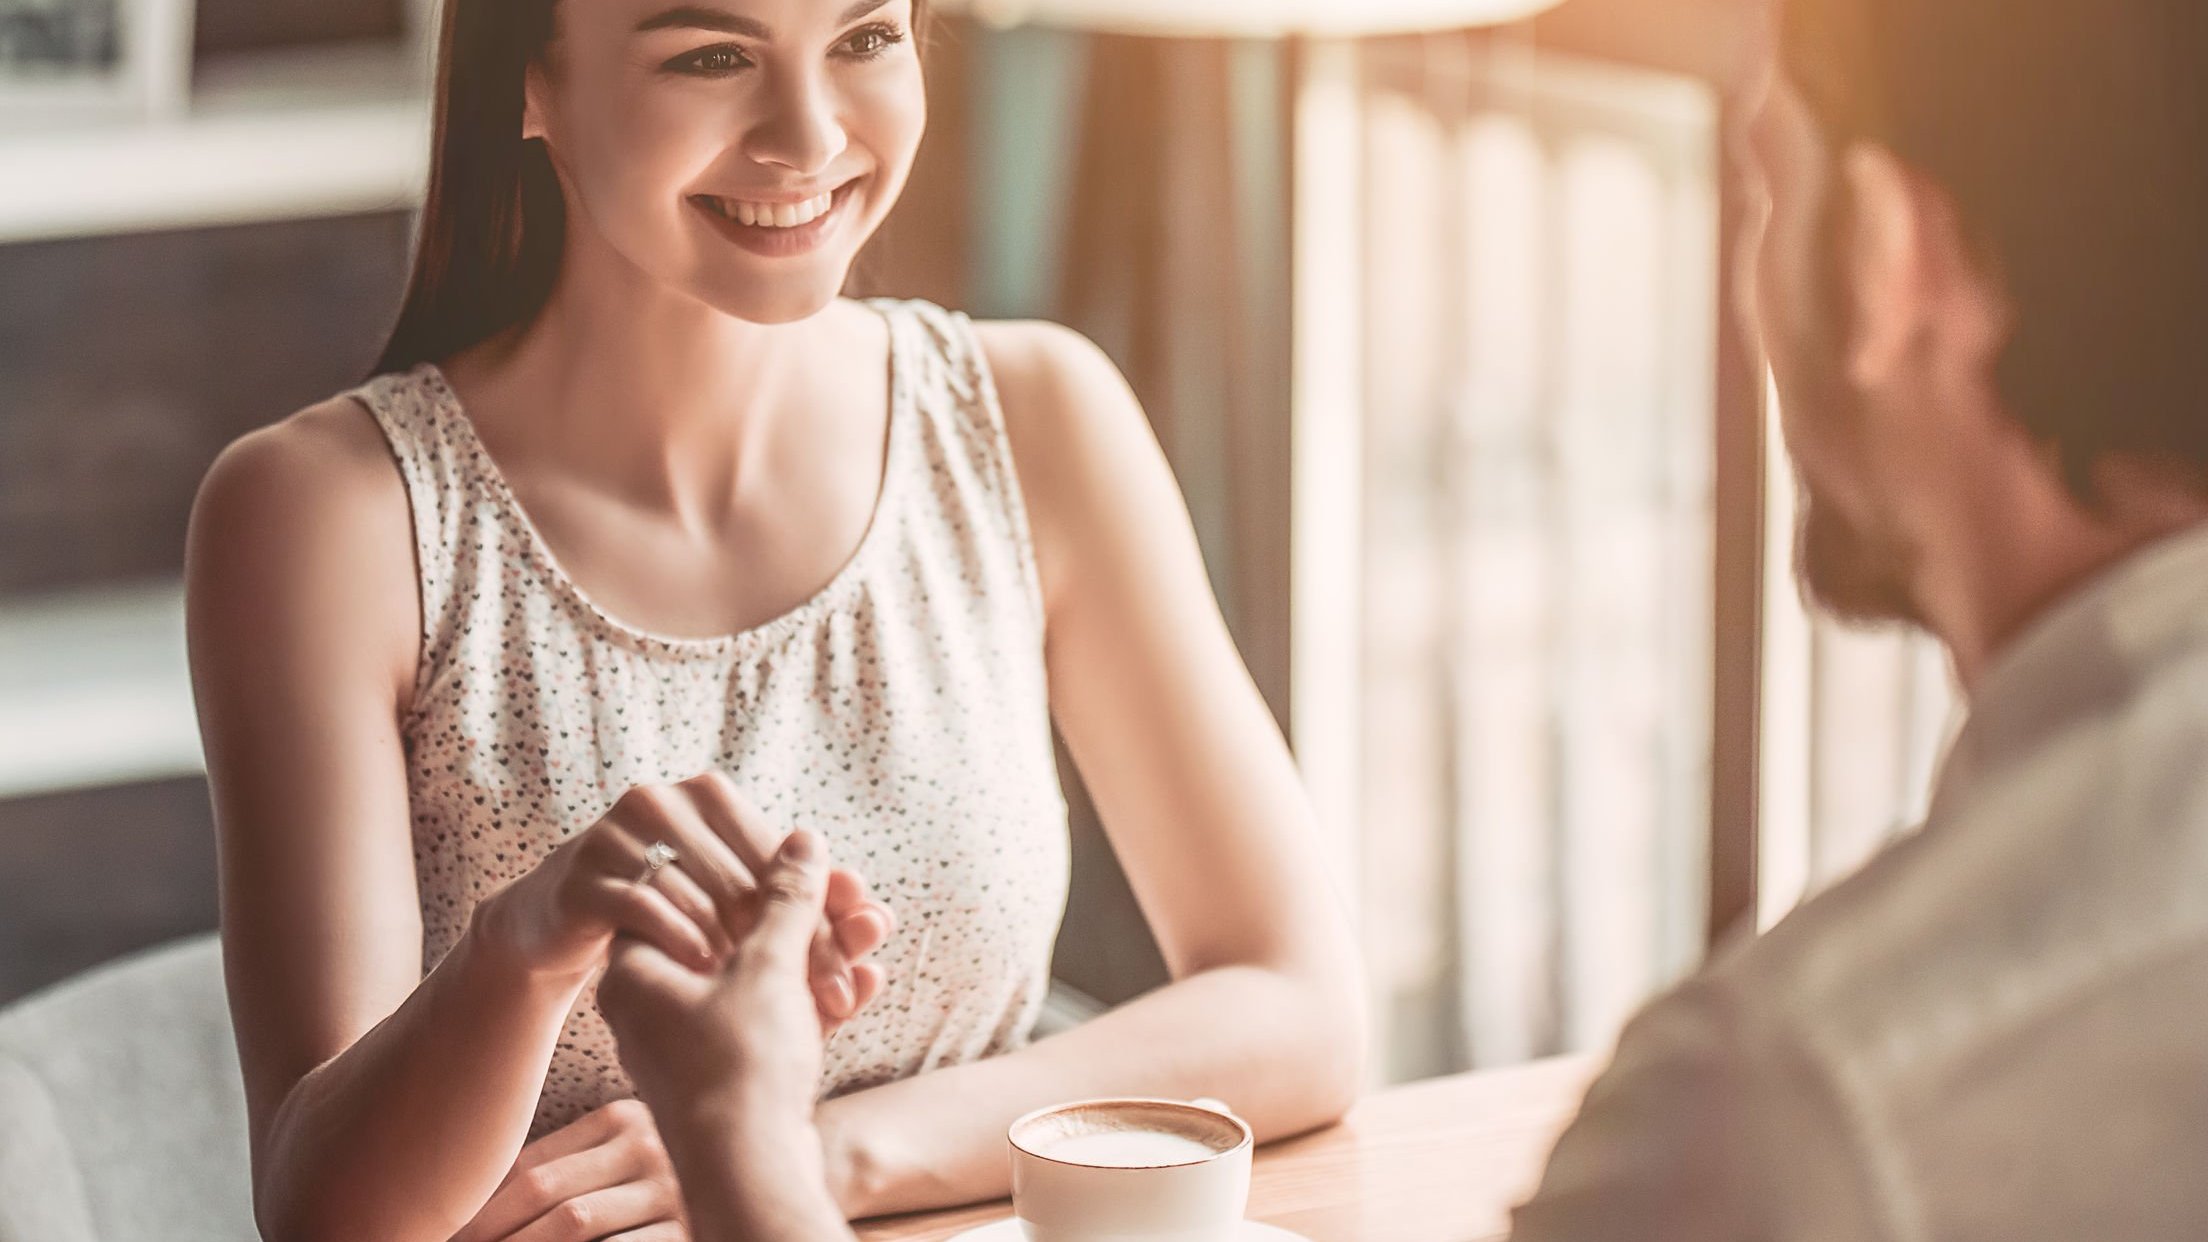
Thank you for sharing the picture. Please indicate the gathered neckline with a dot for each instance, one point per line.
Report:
(767, 633)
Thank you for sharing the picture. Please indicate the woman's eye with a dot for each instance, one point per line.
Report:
(872, 42)
(711, 61)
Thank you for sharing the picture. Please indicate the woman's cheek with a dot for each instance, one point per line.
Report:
(644, 172)
(890, 107)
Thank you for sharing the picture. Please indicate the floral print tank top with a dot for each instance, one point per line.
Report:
(901, 712)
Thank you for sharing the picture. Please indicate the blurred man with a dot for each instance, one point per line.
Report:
(1983, 282)
(1983, 279)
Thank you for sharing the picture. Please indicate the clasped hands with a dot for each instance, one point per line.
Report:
(724, 973)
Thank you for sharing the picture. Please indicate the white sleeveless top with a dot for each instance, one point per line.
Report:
(901, 712)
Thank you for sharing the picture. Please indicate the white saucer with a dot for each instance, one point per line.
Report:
(1008, 1230)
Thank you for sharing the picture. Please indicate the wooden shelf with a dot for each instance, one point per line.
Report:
(267, 137)
(95, 691)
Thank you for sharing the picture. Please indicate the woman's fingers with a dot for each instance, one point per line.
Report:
(862, 931)
(866, 980)
(866, 984)
(833, 993)
(846, 892)
(848, 897)
(731, 816)
(727, 812)
(643, 911)
(680, 889)
(586, 1155)
(664, 1231)
(599, 1213)
(581, 1134)
(643, 985)
(755, 839)
(674, 817)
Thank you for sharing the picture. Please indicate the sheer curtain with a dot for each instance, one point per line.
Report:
(1135, 189)
(1535, 581)
(1504, 268)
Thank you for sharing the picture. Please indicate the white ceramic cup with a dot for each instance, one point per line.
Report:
(1197, 1197)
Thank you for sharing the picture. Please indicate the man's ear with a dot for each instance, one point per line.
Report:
(534, 93)
(1882, 261)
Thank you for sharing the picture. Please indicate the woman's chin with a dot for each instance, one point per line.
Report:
(787, 299)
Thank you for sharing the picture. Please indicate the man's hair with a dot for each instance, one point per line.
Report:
(2072, 136)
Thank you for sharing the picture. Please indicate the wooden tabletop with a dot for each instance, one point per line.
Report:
(1440, 1161)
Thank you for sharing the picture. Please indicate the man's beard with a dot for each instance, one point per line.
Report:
(1856, 571)
(1854, 574)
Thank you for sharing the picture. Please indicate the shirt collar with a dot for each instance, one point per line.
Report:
(2089, 648)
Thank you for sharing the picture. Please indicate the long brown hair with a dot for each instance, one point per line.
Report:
(493, 224)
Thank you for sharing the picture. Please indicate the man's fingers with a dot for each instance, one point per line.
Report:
(791, 892)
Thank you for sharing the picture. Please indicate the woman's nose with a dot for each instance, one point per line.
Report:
(803, 133)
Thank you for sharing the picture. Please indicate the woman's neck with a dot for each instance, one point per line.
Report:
(661, 397)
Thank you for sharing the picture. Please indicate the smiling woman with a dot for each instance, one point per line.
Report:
(642, 549)
(494, 225)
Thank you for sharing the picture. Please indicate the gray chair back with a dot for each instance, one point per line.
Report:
(122, 1118)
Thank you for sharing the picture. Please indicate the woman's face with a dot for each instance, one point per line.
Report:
(740, 151)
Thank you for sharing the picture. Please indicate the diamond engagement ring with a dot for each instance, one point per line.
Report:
(657, 855)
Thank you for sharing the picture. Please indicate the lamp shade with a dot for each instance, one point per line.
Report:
(1252, 18)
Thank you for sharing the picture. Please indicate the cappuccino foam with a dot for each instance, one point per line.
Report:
(1129, 1149)
(1129, 1134)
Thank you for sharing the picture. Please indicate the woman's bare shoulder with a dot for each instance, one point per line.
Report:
(1096, 483)
(331, 444)
(1060, 393)
(305, 522)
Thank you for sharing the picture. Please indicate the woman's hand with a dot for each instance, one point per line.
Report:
(559, 919)
(605, 1176)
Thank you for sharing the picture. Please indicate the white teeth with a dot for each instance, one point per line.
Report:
(774, 215)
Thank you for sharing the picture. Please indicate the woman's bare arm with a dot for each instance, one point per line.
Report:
(382, 1106)
(1197, 793)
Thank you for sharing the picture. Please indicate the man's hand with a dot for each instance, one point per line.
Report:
(749, 1028)
(730, 1061)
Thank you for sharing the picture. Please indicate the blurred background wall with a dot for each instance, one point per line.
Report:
(1429, 325)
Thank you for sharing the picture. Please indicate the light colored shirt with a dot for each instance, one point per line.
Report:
(1998, 1030)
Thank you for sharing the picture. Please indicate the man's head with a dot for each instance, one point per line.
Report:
(1983, 280)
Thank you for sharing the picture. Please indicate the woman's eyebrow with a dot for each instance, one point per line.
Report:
(702, 17)
(859, 10)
